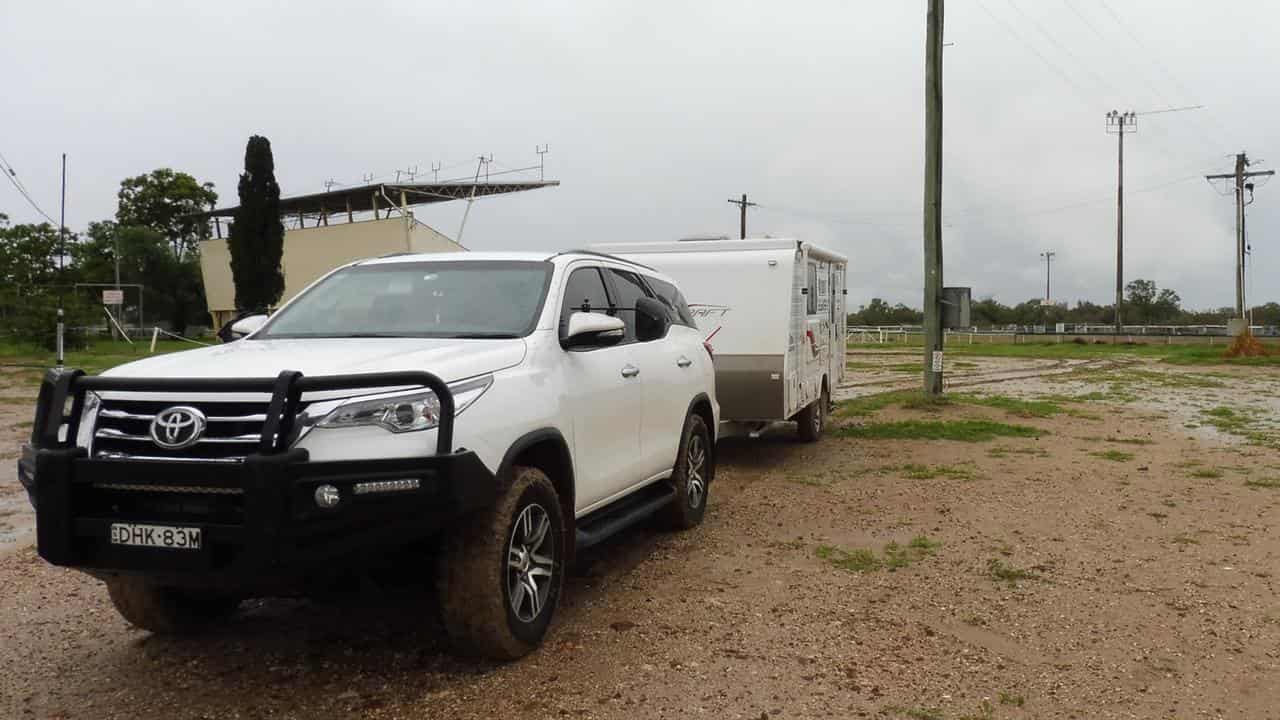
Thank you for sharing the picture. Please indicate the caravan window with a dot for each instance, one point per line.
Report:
(671, 296)
(629, 289)
(812, 296)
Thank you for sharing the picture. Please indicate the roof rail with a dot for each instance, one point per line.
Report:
(603, 255)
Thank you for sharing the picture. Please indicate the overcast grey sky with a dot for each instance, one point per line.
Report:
(657, 112)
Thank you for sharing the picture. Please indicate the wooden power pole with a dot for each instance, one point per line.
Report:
(742, 206)
(1240, 176)
(933, 202)
(1120, 123)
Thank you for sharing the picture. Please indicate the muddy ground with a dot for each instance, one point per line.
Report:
(1120, 565)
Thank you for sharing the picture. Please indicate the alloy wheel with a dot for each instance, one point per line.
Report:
(696, 470)
(530, 562)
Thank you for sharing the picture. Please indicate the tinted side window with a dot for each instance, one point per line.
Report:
(630, 289)
(671, 297)
(584, 292)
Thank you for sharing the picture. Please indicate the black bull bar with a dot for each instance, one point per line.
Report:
(258, 518)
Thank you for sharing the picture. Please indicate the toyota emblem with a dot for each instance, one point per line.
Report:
(178, 427)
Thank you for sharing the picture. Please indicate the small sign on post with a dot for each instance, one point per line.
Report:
(937, 361)
(112, 297)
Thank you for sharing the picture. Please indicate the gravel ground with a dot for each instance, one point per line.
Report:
(1148, 593)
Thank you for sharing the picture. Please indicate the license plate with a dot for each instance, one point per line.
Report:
(160, 536)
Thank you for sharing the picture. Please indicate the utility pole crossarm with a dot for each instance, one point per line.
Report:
(1238, 177)
(1232, 176)
(742, 206)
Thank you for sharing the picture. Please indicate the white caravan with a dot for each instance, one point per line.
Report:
(774, 312)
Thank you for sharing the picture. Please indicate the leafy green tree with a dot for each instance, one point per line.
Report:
(1268, 314)
(1140, 297)
(32, 287)
(163, 203)
(172, 286)
(257, 236)
(165, 200)
(28, 254)
(1166, 308)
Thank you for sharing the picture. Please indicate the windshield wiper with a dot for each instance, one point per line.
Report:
(484, 336)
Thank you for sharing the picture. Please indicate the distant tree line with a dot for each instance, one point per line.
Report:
(158, 247)
(155, 237)
(1145, 304)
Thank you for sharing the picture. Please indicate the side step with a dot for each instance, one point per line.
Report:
(636, 507)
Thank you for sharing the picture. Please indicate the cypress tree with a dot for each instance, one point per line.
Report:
(257, 235)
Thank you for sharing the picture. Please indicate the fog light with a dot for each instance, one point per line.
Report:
(327, 496)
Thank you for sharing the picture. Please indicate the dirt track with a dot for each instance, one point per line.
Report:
(1151, 594)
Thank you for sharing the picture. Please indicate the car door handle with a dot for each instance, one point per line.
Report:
(630, 371)
(684, 362)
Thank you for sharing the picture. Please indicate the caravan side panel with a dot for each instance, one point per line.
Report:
(740, 300)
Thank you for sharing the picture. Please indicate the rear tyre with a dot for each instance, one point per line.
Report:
(166, 610)
(499, 576)
(694, 470)
(813, 418)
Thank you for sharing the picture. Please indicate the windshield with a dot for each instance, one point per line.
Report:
(457, 299)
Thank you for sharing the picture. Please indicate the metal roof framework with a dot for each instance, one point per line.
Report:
(381, 196)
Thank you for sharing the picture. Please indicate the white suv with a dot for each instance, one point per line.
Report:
(584, 402)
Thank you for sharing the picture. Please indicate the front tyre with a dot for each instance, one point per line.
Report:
(167, 610)
(694, 470)
(499, 576)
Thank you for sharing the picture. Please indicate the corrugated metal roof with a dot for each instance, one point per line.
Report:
(384, 195)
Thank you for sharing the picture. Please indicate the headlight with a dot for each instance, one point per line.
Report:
(404, 412)
(88, 419)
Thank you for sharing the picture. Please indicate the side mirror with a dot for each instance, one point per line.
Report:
(652, 320)
(245, 326)
(592, 330)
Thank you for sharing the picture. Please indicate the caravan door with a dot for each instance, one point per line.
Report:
(839, 320)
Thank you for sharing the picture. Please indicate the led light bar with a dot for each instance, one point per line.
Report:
(384, 486)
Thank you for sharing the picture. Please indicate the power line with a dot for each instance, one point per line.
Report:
(1076, 59)
(1155, 60)
(1080, 91)
(17, 184)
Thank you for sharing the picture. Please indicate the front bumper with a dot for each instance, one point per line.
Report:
(260, 524)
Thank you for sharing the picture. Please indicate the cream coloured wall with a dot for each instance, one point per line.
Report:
(311, 252)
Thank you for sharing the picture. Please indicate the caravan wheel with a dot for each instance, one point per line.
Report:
(813, 418)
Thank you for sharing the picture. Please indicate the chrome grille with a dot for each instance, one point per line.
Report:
(123, 430)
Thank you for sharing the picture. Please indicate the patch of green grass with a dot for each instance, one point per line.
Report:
(921, 401)
(99, 355)
(929, 472)
(1002, 572)
(1011, 699)
(894, 556)
(1200, 353)
(920, 713)
(18, 400)
(861, 365)
(1271, 483)
(1113, 455)
(855, 560)
(986, 711)
(1185, 539)
(1014, 406)
(870, 404)
(958, 430)
(912, 367)
(1207, 473)
(21, 425)
(1004, 451)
